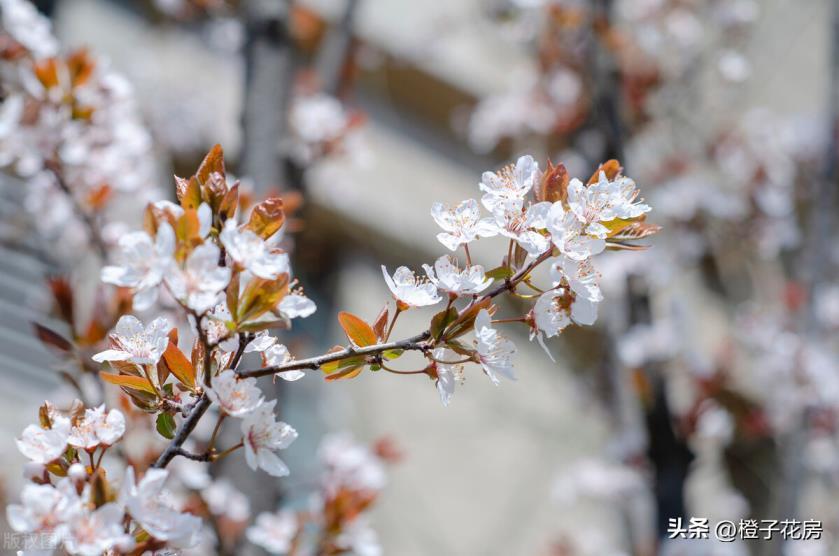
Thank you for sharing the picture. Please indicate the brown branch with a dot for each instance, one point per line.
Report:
(415, 343)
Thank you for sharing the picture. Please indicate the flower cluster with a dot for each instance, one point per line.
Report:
(70, 127)
(352, 478)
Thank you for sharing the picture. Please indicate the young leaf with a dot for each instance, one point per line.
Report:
(267, 217)
(166, 426)
(351, 372)
(129, 381)
(51, 338)
(440, 321)
(213, 162)
(466, 321)
(500, 272)
(179, 365)
(380, 324)
(612, 168)
(188, 192)
(359, 332)
(260, 296)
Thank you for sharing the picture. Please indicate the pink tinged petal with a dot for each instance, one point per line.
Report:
(451, 242)
(445, 384)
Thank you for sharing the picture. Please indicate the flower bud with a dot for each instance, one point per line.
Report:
(77, 472)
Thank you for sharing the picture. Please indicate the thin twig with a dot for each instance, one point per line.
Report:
(89, 221)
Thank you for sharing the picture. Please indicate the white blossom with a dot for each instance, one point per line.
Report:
(523, 226)
(97, 427)
(224, 499)
(510, 184)
(251, 252)
(236, 397)
(274, 532)
(462, 224)
(97, 532)
(449, 278)
(44, 445)
(448, 374)
(200, 283)
(410, 290)
(273, 354)
(296, 305)
(28, 27)
(148, 505)
(348, 464)
(567, 234)
(142, 264)
(263, 436)
(495, 350)
(44, 508)
(360, 538)
(136, 344)
(579, 275)
(604, 201)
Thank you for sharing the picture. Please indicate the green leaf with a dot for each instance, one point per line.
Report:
(359, 332)
(500, 273)
(166, 426)
(391, 354)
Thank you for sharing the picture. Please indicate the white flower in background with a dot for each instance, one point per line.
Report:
(97, 427)
(462, 224)
(251, 252)
(449, 278)
(225, 500)
(274, 532)
(296, 305)
(28, 27)
(44, 445)
(134, 343)
(317, 118)
(236, 397)
(142, 264)
(348, 464)
(97, 532)
(44, 508)
(494, 349)
(579, 275)
(409, 290)
(448, 375)
(567, 234)
(148, 505)
(200, 282)
(522, 227)
(511, 183)
(597, 479)
(264, 435)
(359, 538)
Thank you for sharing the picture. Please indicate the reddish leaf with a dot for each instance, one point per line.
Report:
(359, 332)
(129, 381)
(380, 324)
(612, 169)
(179, 365)
(52, 339)
(213, 162)
(267, 217)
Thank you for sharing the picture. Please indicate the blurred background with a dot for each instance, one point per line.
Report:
(709, 386)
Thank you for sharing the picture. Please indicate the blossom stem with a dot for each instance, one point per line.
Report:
(514, 319)
(216, 429)
(228, 451)
(393, 322)
(468, 256)
(398, 372)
